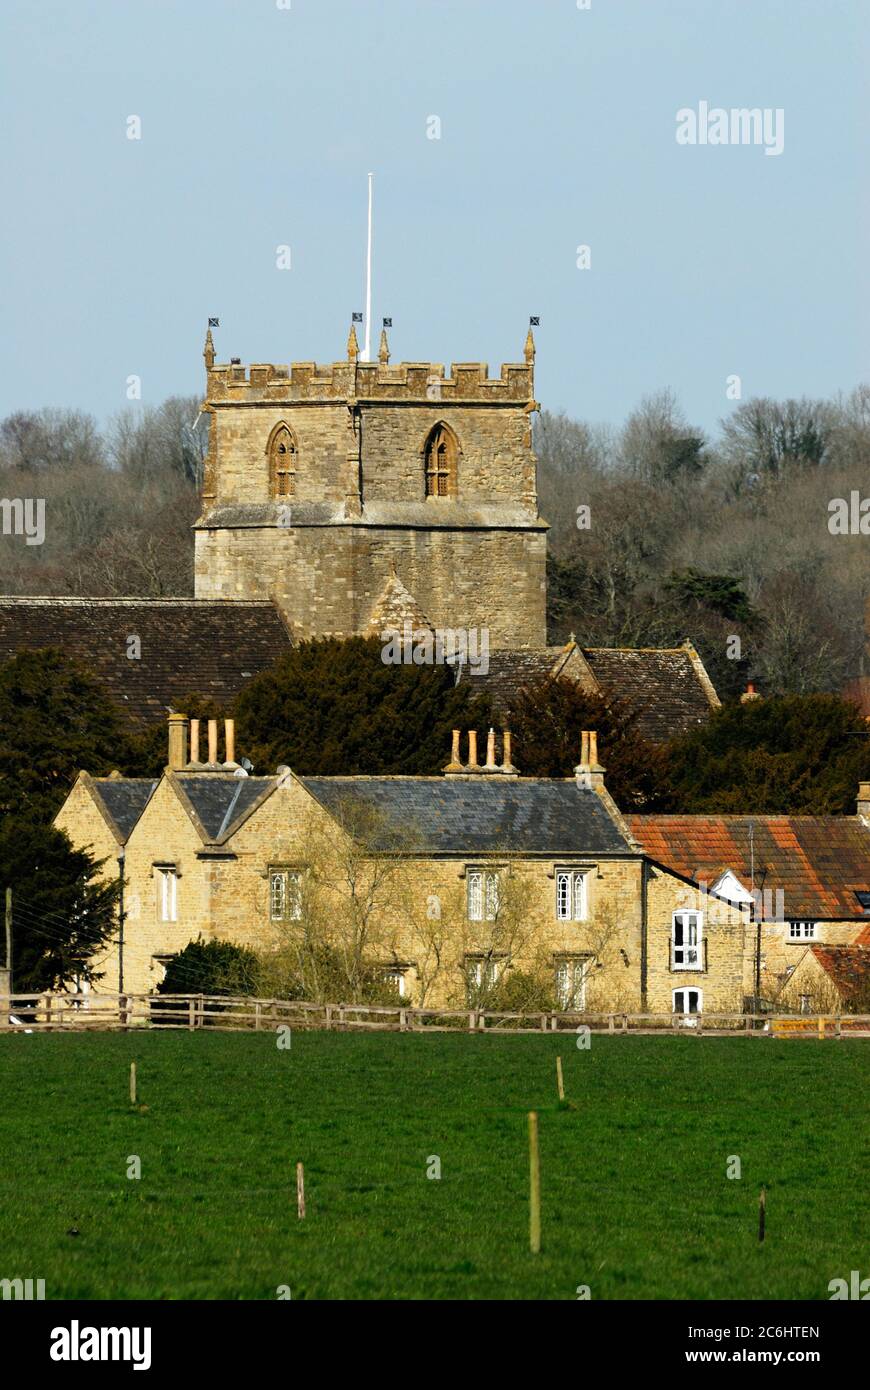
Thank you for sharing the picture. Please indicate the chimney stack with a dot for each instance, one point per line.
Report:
(194, 741)
(230, 742)
(750, 693)
(864, 800)
(212, 742)
(456, 768)
(177, 742)
(589, 772)
(472, 750)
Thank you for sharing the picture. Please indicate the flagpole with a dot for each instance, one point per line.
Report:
(366, 356)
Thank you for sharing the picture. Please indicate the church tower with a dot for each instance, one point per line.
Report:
(339, 490)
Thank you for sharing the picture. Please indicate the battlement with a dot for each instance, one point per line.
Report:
(353, 381)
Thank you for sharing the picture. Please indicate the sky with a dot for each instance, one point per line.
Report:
(259, 121)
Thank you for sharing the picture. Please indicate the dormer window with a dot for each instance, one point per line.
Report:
(282, 463)
(441, 458)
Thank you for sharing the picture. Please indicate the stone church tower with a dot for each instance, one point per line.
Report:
(357, 492)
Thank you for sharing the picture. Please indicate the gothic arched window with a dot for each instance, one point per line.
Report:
(282, 463)
(441, 457)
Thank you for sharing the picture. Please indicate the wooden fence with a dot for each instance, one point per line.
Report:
(76, 1012)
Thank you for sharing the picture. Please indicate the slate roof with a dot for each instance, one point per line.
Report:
(477, 815)
(202, 646)
(220, 801)
(124, 798)
(662, 683)
(817, 861)
(847, 966)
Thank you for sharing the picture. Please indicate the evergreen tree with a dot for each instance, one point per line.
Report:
(335, 707)
(546, 721)
(789, 755)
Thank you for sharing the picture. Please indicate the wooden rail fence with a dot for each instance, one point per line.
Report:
(76, 1012)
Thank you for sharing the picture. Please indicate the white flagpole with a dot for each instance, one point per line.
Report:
(366, 356)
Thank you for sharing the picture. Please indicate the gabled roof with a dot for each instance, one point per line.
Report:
(477, 815)
(204, 646)
(395, 607)
(668, 686)
(220, 802)
(847, 966)
(816, 861)
(123, 799)
(511, 671)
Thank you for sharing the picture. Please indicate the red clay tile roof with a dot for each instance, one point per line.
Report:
(816, 861)
(848, 966)
(188, 646)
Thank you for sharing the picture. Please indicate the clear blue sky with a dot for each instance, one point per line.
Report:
(259, 125)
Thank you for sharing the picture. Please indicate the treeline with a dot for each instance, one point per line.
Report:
(658, 532)
(714, 538)
(119, 502)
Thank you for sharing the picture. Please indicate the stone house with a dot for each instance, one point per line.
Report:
(806, 880)
(485, 876)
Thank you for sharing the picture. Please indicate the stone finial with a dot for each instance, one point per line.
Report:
(208, 350)
(352, 345)
(530, 347)
(384, 349)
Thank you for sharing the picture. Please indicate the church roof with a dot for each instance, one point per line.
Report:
(665, 684)
(208, 647)
(668, 686)
(477, 815)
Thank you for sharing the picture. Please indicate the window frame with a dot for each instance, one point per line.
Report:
(696, 946)
(282, 442)
(797, 936)
(490, 892)
(440, 462)
(687, 990)
(284, 873)
(577, 878)
(571, 962)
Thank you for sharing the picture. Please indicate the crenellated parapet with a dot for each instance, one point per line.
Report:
(416, 382)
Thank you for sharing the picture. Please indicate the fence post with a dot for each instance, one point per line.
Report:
(472, 1023)
(611, 1023)
(191, 1014)
(839, 1028)
(403, 1021)
(47, 998)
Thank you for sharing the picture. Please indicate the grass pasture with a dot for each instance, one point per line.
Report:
(635, 1198)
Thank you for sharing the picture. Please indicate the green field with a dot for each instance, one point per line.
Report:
(636, 1203)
